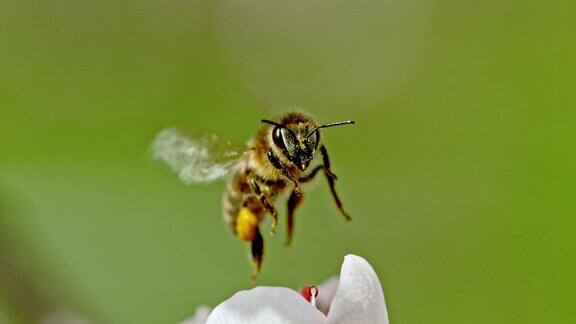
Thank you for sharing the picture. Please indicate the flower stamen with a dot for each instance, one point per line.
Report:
(309, 292)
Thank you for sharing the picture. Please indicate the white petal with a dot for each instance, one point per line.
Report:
(359, 298)
(199, 317)
(326, 292)
(266, 305)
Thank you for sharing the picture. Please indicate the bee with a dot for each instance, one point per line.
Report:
(276, 159)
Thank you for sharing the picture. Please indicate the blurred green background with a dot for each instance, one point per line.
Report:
(459, 173)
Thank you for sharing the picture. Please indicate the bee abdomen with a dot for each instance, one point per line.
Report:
(231, 203)
(239, 200)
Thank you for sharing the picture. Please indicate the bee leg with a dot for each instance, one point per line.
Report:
(275, 161)
(331, 177)
(269, 207)
(257, 249)
(311, 175)
(293, 202)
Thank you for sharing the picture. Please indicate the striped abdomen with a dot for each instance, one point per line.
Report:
(238, 195)
(240, 203)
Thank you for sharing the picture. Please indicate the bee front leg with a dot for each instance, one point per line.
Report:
(331, 177)
(312, 174)
(264, 200)
(293, 202)
(257, 249)
(275, 161)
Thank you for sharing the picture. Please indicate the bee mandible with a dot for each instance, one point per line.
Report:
(275, 160)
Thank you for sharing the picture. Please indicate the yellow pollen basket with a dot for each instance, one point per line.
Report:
(246, 225)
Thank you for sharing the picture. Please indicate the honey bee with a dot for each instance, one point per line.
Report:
(276, 159)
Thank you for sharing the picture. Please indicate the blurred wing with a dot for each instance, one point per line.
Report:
(196, 159)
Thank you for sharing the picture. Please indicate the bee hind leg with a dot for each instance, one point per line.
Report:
(294, 201)
(257, 250)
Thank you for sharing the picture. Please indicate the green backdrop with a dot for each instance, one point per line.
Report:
(459, 173)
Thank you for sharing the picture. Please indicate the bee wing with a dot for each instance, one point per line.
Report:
(200, 158)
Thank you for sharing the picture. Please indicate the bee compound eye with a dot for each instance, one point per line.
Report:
(285, 141)
(313, 139)
(289, 142)
(277, 138)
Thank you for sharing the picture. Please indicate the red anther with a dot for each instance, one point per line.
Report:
(309, 292)
(305, 292)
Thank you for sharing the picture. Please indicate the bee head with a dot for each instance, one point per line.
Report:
(295, 144)
(299, 139)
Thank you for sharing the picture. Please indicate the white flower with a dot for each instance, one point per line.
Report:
(199, 317)
(357, 298)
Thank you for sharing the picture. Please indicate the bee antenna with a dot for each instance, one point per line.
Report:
(271, 122)
(278, 125)
(344, 122)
